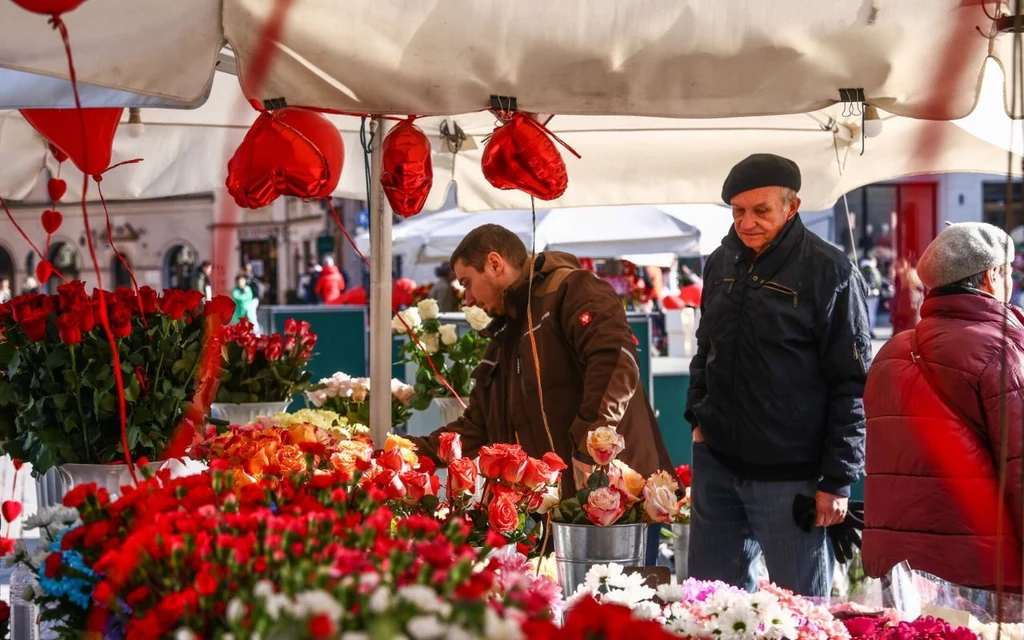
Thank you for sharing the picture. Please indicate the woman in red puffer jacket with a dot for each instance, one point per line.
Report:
(932, 489)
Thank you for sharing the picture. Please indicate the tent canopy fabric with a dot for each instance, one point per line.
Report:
(678, 58)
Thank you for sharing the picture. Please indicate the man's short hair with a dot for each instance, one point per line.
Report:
(478, 243)
(973, 282)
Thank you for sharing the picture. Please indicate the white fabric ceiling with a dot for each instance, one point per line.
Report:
(683, 58)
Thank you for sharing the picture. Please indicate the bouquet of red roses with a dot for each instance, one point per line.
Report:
(265, 368)
(60, 395)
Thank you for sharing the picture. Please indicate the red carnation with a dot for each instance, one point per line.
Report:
(684, 474)
(321, 626)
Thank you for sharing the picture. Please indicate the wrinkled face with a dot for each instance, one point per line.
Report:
(486, 289)
(760, 214)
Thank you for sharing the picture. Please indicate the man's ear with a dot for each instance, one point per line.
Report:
(495, 261)
(794, 205)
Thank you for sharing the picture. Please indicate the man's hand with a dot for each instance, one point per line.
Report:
(697, 435)
(830, 509)
(580, 472)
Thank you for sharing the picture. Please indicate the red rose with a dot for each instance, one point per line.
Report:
(22, 306)
(121, 321)
(462, 476)
(450, 447)
(418, 485)
(193, 298)
(321, 626)
(684, 474)
(87, 316)
(514, 465)
(538, 474)
(221, 307)
(69, 330)
(71, 294)
(149, 300)
(502, 515)
(34, 325)
(173, 304)
(392, 484)
(554, 461)
(392, 460)
(274, 348)
(103, 593)
(491, 461)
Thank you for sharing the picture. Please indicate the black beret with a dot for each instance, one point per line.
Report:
(761, 170)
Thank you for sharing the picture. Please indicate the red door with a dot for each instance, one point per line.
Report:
(916, 216)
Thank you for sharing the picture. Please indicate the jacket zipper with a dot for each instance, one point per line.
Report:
(774, 286)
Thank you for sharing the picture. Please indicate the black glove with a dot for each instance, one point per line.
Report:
(845, 536)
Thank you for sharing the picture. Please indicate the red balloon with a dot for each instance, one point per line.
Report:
(62, 128)
(290, 151)
(520, 155)
(43, 271)
(407, 171)
(57, 153)
(49, 7)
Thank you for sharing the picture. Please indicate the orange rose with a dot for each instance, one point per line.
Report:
(302, 432)
(291, 458)
(417, 485)
(350, 453)
(538, 474)
(393, 460)
(629, 482)
(255, 464)
(405, 447)
(462, 475)
(491, 461)
(502, 515)
(514, 465)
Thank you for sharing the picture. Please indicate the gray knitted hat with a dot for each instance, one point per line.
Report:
(963, 250)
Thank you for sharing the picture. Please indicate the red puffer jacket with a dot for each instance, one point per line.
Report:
(931, 494)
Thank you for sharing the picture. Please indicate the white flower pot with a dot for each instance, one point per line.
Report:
(246, 412)
(57, 482)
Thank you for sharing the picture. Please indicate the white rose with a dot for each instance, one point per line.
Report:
(550, 498)
(401, 391)
(428, 309)
(411, 317)
(449, 334)
(360, 387)
(431, 342)
(397, 326)
(477, 318)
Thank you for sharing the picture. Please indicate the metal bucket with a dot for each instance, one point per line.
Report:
(681, 545)
(578, 547)
(247, 412)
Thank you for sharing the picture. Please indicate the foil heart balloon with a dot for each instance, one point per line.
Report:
(51, 219)
(49, 7)
(63, 128)
(59, 155)
(10, 509)
(56, 188)
(520, 155)
(290, 151)
(407, 171)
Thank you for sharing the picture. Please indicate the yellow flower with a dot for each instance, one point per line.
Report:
(406, 448)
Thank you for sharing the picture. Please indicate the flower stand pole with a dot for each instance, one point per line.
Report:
(681, 544)
(247, 412)
(580, 547)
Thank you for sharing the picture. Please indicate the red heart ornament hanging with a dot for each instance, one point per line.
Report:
(63, 129)
(49, 7)
(43, 271)
(10, 509)
(407, 170)
(56, 188)
(290, 151)
(52, 219)
(520, 155)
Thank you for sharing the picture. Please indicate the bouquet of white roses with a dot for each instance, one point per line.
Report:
(453, 356)
(349, 397)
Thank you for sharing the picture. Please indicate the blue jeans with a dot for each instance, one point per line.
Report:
(732, 521)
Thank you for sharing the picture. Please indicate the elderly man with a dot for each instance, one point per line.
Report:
(775, 389)
(935, 402)
(588, 378)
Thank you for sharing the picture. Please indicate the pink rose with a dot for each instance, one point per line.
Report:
(450, 447)
(605, 506)
(604, 444)
(660, 504)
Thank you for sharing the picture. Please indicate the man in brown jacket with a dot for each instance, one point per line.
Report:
(589, 376)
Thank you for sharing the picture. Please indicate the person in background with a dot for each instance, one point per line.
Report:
(305, 291)
(873, 279)
(31, 285)
(331, 284)
(5, 290)
(691, 287)
(245, 300)
(443, 291)
(908, 296)
(936, 399)
(775, 399)
(202, 281)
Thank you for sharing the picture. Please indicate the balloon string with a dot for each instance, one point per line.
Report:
(58, 23)
(430, 360)
(508, 115)
(110, 239)
(22, 231)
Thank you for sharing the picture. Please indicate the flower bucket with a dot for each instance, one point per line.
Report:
(578, 547)
(450, 408)
(57, 482)
(246, 412)
(681, 545)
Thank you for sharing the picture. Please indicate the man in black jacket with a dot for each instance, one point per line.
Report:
(776, 388)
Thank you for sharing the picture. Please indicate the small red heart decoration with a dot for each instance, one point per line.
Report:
(43, 271)
(48, 7)
(52, 219)
(57, 188)
(10, 509)
(17, 464)
(290, 151)
(520, 155)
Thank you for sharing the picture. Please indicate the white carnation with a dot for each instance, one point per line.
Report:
(318, 602)
(235, 610)
(380, 600)
(477, 318)
(428, 309)
(426, 628)
(449, 334)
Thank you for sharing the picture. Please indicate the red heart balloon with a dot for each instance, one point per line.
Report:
(57, 188)
(10, 509)
(43, 271)
(57, 153)
(49, 7)
(520, 155)
(290, 151)
(63, 129)
(52, 219)
(407, 171)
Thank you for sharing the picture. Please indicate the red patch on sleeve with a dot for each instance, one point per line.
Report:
(586, 318)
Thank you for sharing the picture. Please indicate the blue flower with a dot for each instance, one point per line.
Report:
(77, 590)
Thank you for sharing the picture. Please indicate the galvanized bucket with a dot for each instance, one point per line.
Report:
(578, 547)
(682, 550)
